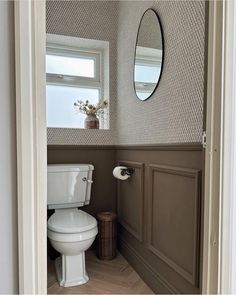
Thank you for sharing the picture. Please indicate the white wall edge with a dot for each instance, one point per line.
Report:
(227, 249)
(219, 255)
(31, 144)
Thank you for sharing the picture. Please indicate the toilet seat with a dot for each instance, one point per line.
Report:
(72, 238)
(71, 221)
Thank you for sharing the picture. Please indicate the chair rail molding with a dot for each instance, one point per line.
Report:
(31, 145)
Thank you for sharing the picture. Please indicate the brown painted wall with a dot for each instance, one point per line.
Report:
(159, 207)
(159, 211)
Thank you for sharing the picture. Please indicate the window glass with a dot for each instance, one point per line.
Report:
(72, 66)
(147, 73)
(61, 112)
(143, 95)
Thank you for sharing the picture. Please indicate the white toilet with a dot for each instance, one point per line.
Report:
(70, 231)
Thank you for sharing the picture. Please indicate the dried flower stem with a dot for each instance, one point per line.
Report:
(91, 109)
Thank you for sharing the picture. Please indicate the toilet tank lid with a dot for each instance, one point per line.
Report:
(69, 167)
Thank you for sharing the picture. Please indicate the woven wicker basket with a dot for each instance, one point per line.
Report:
(107, 235)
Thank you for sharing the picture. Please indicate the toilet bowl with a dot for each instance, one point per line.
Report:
(71, 232)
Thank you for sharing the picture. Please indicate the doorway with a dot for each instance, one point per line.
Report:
(31, 149)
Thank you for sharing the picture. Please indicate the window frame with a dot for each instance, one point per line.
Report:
(96, 82)
(77, 81)
(100, 47)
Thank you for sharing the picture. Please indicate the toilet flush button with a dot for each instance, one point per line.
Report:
(87, 180)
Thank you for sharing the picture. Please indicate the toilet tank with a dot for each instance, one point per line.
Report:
(69, 185)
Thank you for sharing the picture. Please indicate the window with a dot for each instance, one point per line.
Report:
(72, 73)
(146, 76)
(60, 105)
(147, 70)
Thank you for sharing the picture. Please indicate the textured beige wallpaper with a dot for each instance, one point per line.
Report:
(93, 20)
(174, 114)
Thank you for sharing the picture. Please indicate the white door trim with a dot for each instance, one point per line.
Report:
(31, 144)
(227, 249)
(219, 253)
(213, 150)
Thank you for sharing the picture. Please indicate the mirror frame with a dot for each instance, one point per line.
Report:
(163, 52)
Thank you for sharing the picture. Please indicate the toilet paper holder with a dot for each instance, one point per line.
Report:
(127, 171)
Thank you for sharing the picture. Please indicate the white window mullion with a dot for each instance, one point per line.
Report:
(72, 81)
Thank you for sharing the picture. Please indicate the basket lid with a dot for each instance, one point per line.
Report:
(106, 216)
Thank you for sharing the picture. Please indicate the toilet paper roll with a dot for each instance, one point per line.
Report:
(117, 173)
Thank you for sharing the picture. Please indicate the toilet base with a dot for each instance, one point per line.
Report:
(71, 270)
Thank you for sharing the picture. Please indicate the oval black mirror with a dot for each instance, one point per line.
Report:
(149, 55)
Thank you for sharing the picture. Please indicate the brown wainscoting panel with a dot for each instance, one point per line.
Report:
(168, 256)
(174, 218)
(130, 200)
(161, 241)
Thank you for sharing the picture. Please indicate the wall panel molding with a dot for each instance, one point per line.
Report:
(139, 184)
(158, 192)
(149, 147)
(162, 147)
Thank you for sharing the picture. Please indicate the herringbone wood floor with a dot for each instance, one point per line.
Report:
(105, 277)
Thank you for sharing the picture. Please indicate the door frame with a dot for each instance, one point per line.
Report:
(227, 212)
(219, 204)
(219, 242)
(31, 144)
(213, 149)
